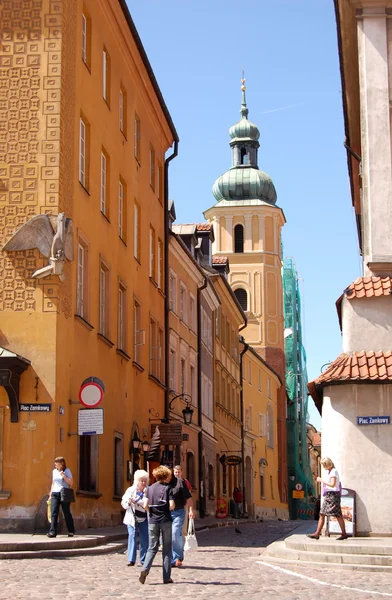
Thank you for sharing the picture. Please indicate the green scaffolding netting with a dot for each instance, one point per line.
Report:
(299, 469)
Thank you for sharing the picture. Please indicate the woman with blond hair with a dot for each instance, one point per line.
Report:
(330, 506)
(136, 516)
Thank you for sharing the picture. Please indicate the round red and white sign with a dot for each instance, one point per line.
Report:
(91, 392)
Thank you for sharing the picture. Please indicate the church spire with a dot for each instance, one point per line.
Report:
(244, 110)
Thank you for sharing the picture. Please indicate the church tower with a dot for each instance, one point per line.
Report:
(247, 227)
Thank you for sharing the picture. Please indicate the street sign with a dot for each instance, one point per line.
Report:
(298, 494)
(298, 486)
(385, 420)
(35, 407)
(91, 392)
(90, 421)
(170, 433)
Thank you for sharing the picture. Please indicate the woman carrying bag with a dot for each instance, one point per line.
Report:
(136, 516)
(61, 494)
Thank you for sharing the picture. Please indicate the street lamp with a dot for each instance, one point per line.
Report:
(136, 441)
(187, 412)
(145, 446)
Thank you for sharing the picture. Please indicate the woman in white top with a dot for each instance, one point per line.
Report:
(331, 499)
(61, 478)
(136, 516)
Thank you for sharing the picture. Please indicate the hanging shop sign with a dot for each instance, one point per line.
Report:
(170, 433)
(35, 407)
(90, 421)
(91, 392)
(233, 460)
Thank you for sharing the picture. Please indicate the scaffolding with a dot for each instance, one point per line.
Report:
(299, 471)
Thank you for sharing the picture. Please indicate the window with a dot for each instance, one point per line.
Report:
(88, 463)
(270, 426)
(104, 196)
(106, 76)
(121, 318)
(251, 418)
(190, 468)
(261, 425)
(154, 349)
(183, 375)
(269, 388)
(136, 138)
(244, 156)
(136, 231)
(103, 300)
(182, 303)
(86, 37)
(160, 264)
(173, 292)
(152, 167)
(138, 332)
(118, 463)
(192, 312)
(84, 133)
(82, 281)
(238, 239)
(122, 111)
(173, 369)
(242, 298)
(122, 210)
(160, 183)
(152, 254)
(160, 373)
(193, 390)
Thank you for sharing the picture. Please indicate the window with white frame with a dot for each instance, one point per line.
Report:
(152, 167)
(84, 38)
(250, 417)
(104, 300)
(121, 317)
(104, 183)
(154, 354)
(122, 111)
(138, 332)
(193, 385)
(160, 373)
(136, 231)
(270, 426)
(136, 137)
(160, 264)
(269, 388)
(183, 374)
(192, 312)
(82, 281)
(122, 222)
(106, 76)
(173, 292)
(182, 303)
(83, 152)
(152, 268)
(259, 382)
(173, 369)
(261, 425)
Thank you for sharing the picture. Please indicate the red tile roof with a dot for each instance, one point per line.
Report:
(356, 366)
(368, 287)
(203, 226)
(219, 260)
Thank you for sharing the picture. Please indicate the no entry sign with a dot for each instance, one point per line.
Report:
(91, 392)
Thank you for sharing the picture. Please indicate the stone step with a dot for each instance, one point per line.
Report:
(368, 546)
(61, 551)
(287, 562)
(280, 550)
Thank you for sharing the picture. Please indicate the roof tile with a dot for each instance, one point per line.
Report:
(219, 260)
(368, 287)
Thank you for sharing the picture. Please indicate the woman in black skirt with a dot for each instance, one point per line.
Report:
(330, 506)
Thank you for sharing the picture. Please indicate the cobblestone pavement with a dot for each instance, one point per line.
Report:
(224, 567)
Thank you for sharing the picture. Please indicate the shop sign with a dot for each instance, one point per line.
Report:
(35, 407)
(298, 494)
(170, 433)
(90, 421)
(233, 460)
(374, 420)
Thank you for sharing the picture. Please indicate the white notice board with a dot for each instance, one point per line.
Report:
(90, 421)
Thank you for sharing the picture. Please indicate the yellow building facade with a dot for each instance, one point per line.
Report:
(83, 130)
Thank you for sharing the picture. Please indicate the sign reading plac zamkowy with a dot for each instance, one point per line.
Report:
(384, 420)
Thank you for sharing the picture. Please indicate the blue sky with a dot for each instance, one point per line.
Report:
(288, 49)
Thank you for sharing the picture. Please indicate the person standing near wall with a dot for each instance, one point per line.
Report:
(61, 478)
(183, 499)
(136, 516)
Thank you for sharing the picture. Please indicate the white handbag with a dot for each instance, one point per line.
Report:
(190, 539)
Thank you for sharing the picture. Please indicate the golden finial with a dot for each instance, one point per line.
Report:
(243, 86)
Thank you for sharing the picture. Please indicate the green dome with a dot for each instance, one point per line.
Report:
(244, 129)
(245, 183)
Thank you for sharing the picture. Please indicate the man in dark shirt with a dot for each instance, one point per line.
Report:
(182, 498)
(159, 502)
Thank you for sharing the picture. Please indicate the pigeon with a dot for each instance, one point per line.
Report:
(237, 530)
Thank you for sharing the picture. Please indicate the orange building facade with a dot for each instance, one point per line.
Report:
(83, 130)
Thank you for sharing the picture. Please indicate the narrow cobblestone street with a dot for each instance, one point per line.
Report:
(228, 565)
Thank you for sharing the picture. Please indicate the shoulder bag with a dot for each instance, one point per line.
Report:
(67, 495)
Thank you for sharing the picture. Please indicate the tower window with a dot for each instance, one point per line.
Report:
(238, 239)
(244, 156)
(242, 298)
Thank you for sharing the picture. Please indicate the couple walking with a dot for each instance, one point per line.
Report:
(165, 501)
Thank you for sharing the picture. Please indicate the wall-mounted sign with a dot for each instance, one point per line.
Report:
(298, 486)
(35, 407)
(298, 494)
(374, 420)
(170, 433)
(91, 392)
(90, 421)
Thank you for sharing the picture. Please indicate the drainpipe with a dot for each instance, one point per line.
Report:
(246, 346)
(166, 275)
(202, 491)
